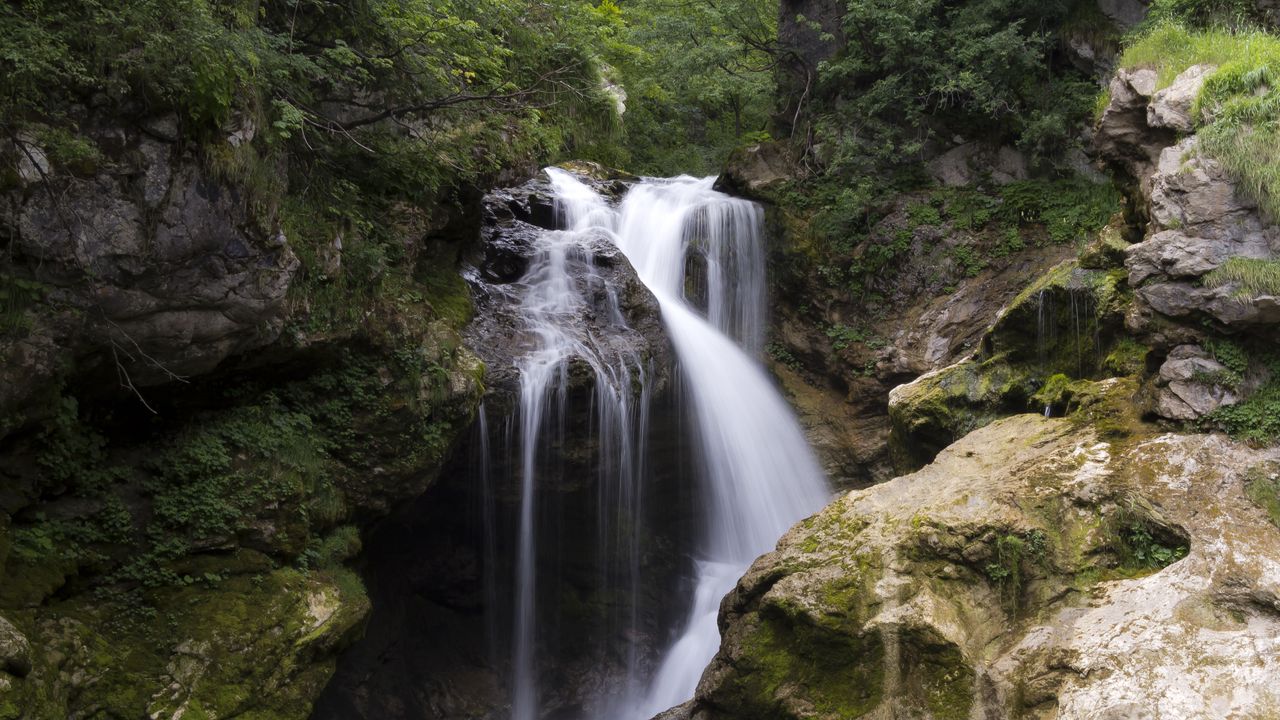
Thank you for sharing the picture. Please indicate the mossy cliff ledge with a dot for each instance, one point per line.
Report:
(1034, 569)
(205, 399)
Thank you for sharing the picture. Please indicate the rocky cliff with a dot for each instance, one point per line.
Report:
(1035, 569)
(194, 433)
(1109, 555)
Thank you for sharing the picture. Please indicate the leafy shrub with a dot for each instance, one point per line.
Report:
(889, 92)
(1069, 209)
(1144, 546)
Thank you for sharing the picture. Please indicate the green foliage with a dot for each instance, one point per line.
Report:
(16, 295)
(781, 354)
(1233, 356)
(1069, 209)
(359, 106)
(1010, 242)
(1257, 418)
(1206, 13)
(696, 76)
(1144, 546)
(1011, 554)
(924, 214)
(890, 91)
(842, 336)
(970, 262)
(1239, 107)
(1252, 277)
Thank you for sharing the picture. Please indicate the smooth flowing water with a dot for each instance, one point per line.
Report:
(553, 299)
(759, 476)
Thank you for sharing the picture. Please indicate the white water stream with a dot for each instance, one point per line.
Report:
(760, 476)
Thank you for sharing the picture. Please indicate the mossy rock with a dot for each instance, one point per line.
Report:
(1065, 322)
(943, 406)
(1017, 547)
(242, 637)
(1107, 250)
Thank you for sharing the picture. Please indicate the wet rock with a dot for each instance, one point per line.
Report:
(148, 269)
(1000, 582)
(622, 315)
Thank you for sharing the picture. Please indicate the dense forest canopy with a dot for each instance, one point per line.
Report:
(473, 85)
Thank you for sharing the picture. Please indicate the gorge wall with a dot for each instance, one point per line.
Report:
(239, 431)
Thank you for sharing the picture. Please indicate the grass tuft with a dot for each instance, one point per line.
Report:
(1254, 277)
(1239, 106)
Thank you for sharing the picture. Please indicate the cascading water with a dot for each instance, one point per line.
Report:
(758, 474)
(553, 299)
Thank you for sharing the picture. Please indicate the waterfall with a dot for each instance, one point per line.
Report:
(758, 474)
(553, 298)
(762, 477)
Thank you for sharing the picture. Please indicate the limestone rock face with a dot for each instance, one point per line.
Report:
(150, 264)
(1033, 570)
(1199, 222)
(1171, 107)
(1198, 219)
(1190, 385)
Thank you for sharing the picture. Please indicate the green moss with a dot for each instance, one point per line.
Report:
(937, 410)
(131, 560)
(946, 680)
(1127, 357)
(841, 675)
(1262, 486)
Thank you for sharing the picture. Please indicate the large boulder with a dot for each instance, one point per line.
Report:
(1033, 570)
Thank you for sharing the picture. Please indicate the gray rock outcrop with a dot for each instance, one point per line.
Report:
(1033, 570)
(1198, 219)
(150, 268)
(1192, 384)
